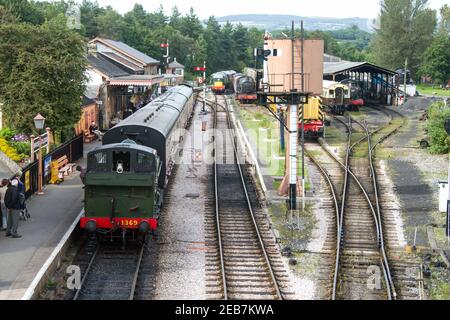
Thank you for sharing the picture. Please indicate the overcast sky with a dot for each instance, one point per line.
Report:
(318, 8)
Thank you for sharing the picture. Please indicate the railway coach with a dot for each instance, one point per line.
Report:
(126, 177)
(335, 96)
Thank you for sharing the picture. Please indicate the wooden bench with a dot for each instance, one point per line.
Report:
(64, 167)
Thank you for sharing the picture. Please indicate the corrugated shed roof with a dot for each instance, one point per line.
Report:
(131, 51)
(105, 66)
(330, 68)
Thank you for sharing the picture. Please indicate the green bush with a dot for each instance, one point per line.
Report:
(7, 133)
(439, 140)
(21, 147)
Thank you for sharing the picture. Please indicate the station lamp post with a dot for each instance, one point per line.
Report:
(39, 122)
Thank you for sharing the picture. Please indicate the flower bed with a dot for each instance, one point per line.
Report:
(15, 146)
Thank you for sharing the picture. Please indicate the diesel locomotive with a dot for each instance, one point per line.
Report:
(125, 178)
(245, 88)
(314, 118)
(222, 82)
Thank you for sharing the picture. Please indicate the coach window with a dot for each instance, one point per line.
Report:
(121, 161)
(144, 162)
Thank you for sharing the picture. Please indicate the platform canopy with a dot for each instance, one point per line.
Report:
(136, 80)
(342, 67)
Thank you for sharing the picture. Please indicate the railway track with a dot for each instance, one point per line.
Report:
(112, 272)
(244, 257)
(359, 245)
(367, 246)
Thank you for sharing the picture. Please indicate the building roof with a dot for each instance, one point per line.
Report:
(333, 68)
(87, 101)
(133, 53)
(126, 63)
(136, 80)
(175, 64)
(105, 66)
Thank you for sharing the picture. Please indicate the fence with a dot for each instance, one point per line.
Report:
(73, 149)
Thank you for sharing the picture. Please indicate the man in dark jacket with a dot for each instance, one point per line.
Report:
(12, 204)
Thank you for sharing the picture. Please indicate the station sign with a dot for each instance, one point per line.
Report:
(44, 138)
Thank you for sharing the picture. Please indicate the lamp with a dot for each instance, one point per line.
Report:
(39, 122)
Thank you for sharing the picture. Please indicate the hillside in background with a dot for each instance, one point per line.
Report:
(277, 22)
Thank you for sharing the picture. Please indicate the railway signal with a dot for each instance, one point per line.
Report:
(202, 80)
(167, 56)
(261, 54)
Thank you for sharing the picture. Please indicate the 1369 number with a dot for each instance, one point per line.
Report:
(128, 223)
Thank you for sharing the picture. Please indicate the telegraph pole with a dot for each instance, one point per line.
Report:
(303, 116)
(293, 139)
(266, 64)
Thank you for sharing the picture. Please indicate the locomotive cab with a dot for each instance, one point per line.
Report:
(121, 188)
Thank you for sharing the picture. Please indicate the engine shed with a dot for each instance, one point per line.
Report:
(377, 83)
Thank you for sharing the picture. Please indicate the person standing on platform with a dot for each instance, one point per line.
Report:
(12, 203)
(4, 211)
(23, 209)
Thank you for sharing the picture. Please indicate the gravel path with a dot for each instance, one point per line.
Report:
(414, 172)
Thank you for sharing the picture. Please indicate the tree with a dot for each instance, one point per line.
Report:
(444, 24)
(436, 62)
(42, 71)
(111, 24)
(175, 18)
(89, 12)
(439, 139)
(405, 30)
(190, 25)
(24, 11)
(212, 35)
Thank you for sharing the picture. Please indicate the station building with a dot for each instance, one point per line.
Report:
(121, 79)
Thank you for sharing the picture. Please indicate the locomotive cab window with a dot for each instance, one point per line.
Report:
(121, 161)
(331, 92)
(144, 163)
(98, 161)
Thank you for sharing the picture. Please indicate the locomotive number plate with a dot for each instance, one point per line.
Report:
(128, 223)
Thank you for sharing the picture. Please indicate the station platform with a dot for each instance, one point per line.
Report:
(51, 216)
